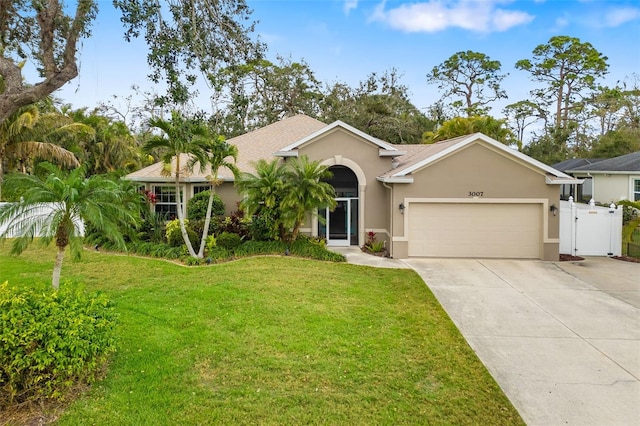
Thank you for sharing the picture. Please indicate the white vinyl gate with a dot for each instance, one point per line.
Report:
(590, 230)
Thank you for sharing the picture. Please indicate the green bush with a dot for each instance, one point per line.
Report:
(174, 234)
(197, 206)
(305, 247)
(51, 341)
(253, 248)
(156, 250)
(262, 227)
(228, 240)
(219, 254)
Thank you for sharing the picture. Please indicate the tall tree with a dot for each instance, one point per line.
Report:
(219, 153)
(54, 204)
(112, 148)
(379, 106)
(472, 76)
(550, 147)
(183, 143)
(616, 143)
(568, 69)
(185, 38)
(28, 134)
(261, 92)
(521, 115)
(46, 34)
(188, 39)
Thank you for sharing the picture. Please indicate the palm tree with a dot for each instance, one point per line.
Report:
(287, 192)
(113, 147)
(54, 204)
(307, 190)
(263, 193)
(218, 152)
(24, 136)
(184, 143)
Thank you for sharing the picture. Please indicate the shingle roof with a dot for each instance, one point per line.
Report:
(622, 164)
(574, 162)
(263, 143)
(417, 153)
(252, 146)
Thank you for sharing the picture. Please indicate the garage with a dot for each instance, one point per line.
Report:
(475, 230)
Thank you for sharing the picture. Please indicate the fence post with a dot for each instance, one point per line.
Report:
(612, 210)
(574, 226)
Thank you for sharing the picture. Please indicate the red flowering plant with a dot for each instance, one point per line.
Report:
(372, 244)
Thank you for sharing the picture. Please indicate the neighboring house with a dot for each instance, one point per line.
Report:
(606, 181)
(466, 197)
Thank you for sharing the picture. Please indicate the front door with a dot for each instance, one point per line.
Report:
(341, 224)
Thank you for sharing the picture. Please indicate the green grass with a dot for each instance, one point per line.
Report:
(273, 340)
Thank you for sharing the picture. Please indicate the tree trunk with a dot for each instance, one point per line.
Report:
(207, 221)
(57, 268)
(183, 228)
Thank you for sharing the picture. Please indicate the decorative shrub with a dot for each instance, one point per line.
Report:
(219, 254)
(235, 224)
(262, 228)
(152, 228)
(303, 247)
(174, 233)
(228, 240)
(211, 242)
(372, 244)
(51, 341)
(197, 206)
(253, 248)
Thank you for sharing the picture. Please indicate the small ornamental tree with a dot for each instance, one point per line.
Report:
(54, 203)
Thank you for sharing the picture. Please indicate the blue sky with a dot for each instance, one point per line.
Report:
(346, 40)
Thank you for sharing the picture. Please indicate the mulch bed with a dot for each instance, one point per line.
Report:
(626, 259)
(383, 253)
(570, 258)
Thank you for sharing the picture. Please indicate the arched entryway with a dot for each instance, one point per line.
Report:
(340, 226)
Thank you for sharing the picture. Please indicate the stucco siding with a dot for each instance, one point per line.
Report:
(478, 174)
(612, 188)
(340, 147)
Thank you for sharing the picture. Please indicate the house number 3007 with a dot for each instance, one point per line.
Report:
(476, 194)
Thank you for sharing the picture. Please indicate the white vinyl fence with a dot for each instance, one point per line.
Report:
(44, 209)
(590, 230)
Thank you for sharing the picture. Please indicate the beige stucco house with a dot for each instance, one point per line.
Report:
(605, 180)
(466, 197)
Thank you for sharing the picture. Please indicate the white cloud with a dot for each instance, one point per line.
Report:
(349, 5)
(434, 15)
(619, 16)
(562, 22)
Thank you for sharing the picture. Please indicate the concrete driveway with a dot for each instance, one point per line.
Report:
(561, 339)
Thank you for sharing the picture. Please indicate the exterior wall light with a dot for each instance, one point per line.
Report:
(401, 207)
(554, 209)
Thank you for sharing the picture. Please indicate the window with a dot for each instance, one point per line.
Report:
(636, 190)
(166, 200)
(200, 188)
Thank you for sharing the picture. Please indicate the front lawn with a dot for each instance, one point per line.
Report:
(273, 340)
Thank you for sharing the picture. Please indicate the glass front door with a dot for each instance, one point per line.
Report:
(341, 224)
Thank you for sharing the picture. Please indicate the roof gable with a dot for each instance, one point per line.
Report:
(434, 152)
(386, 148)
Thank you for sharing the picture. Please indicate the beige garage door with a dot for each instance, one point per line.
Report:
(475, 230)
